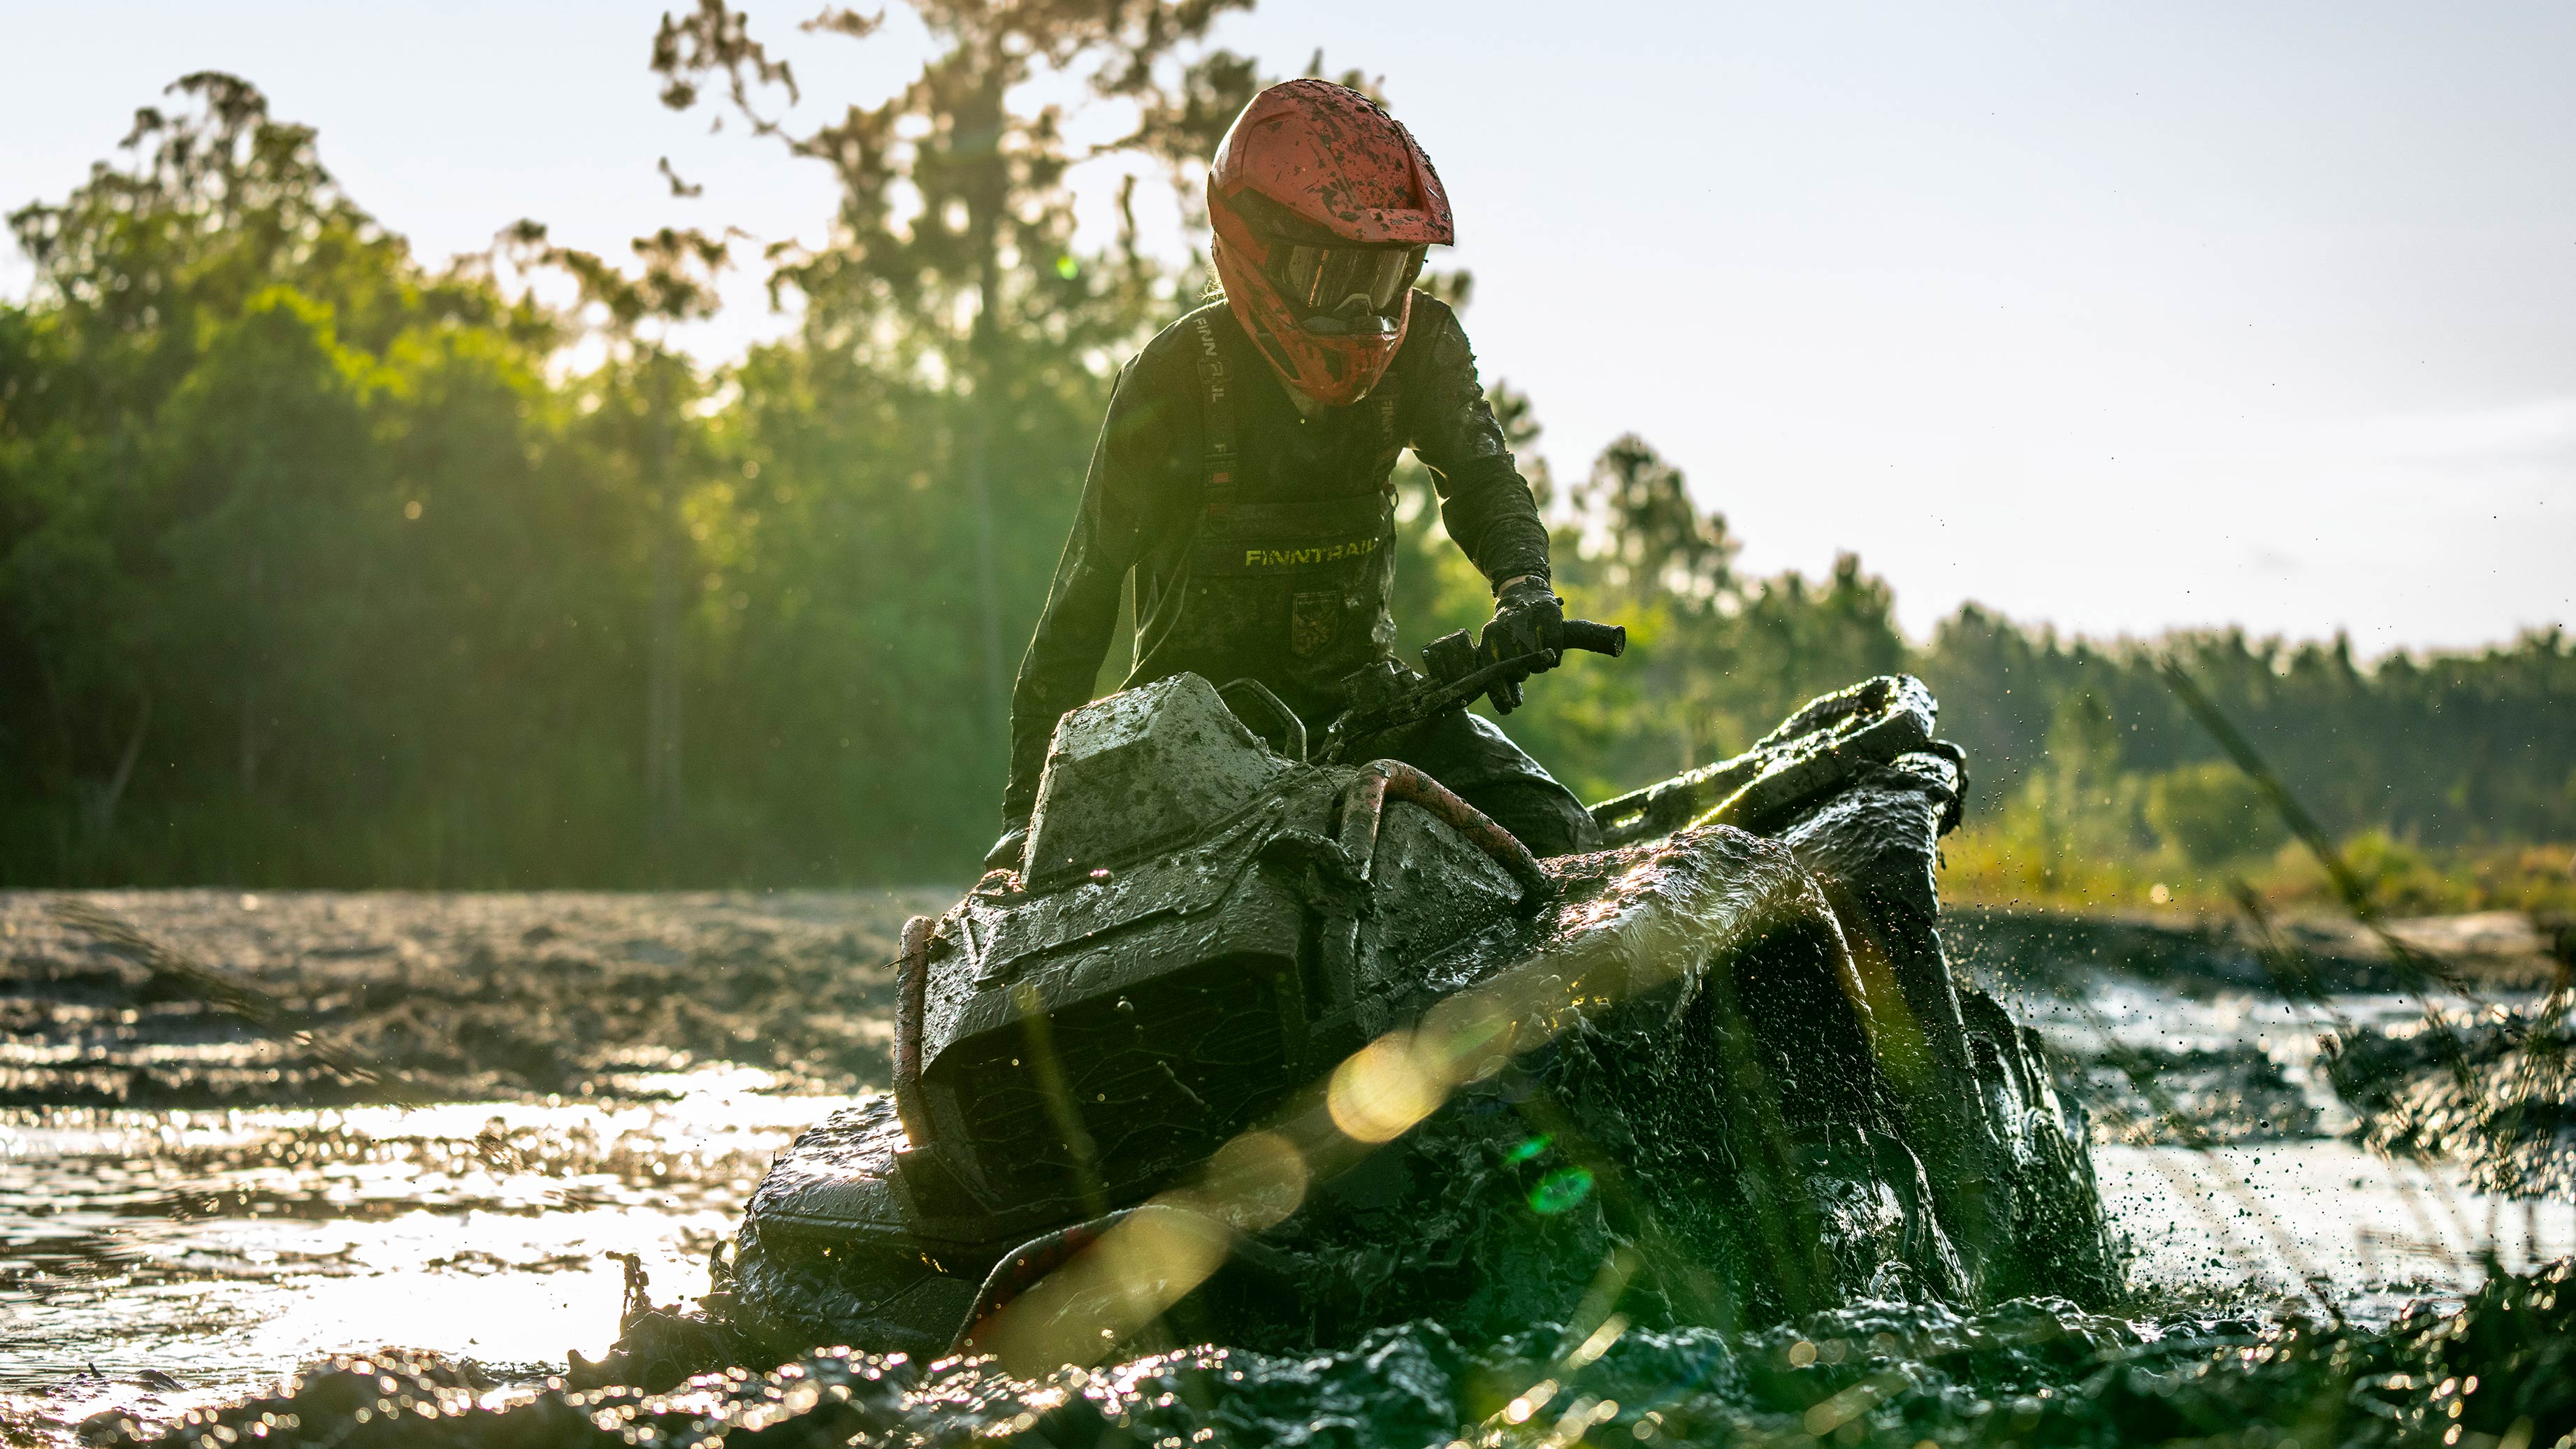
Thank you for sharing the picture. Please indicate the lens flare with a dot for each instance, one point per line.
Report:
(1381, 1090)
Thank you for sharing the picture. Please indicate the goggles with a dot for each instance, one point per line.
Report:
(1344, 289)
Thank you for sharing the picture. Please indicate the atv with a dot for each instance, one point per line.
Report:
(1270, 1044)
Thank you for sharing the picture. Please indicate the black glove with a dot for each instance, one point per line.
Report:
(1007, 851)
(1528, 619)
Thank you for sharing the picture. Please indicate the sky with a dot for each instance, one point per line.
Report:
(2117, 317)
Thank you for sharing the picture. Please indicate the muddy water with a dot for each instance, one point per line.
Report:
(156, 1259)
(190, 1208)
(163, 1260)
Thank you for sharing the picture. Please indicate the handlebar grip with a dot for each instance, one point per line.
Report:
(1610, 639)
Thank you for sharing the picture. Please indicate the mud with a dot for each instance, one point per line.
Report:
(2047, 950)
(462, 997)
(2220, 1096)
(2499, 1370)
(2494, 1089)
(518, 997)
(176, 1255)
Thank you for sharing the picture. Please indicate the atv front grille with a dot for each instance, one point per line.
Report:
(1157, 1079)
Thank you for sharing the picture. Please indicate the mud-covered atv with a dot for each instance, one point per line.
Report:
(1267, 1047)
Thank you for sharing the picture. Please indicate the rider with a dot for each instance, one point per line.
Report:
(1243, 471)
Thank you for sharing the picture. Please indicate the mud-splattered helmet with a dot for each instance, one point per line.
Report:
(1323, 205)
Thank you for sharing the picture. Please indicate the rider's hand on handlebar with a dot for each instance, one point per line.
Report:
(1528, 619)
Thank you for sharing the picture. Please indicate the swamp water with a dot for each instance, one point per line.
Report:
(421, 1266)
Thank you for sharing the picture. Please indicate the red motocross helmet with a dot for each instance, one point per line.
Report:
(1323, 205)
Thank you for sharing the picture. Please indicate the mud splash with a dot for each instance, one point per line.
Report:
(2215, 1095)
(2499, 1370)
(2494, 1088)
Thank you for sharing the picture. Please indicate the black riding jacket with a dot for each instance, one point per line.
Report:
(1260, 538)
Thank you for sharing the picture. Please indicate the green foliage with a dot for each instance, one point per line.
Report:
(1715, 659)
(248, 653)
(2453, 750)
(898, 478)
(2397, 875)
(2210, 814)
(319, 566)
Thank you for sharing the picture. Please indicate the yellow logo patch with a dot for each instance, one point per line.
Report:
(1321, 553)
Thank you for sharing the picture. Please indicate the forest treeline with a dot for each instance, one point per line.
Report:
(324, 565)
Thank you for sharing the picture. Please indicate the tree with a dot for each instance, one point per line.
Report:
(1648, 537)
(321, 566)
(278, 506)
(176, 418)
(952, 251)
(645, 426)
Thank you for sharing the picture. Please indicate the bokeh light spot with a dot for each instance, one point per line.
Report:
(1560, 1190)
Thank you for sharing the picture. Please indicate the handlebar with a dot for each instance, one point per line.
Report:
(1610, 639)
(1453, 676)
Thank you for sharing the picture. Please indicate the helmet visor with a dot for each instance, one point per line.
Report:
(1343, 289)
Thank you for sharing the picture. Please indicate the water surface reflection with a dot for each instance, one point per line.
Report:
(161, 1260)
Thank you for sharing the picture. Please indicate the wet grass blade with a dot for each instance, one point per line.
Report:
(2411, 963)
(2418, 970)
